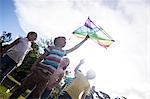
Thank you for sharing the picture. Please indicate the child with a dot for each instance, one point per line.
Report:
(46, 65)
(14, 54)
(79, 85)
(53, 54)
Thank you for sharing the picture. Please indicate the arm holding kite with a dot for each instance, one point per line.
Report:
(77, 46)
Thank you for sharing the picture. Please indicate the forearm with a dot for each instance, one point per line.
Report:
(37, 61)
(77, 67)
(86, 91)
(83, 96)
(10, 46)
(6, 49)
(40, 58)
(76, 46)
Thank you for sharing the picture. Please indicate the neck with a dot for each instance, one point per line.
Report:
(27, 38)
(58, 47)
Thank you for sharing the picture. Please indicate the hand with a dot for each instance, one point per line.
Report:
(82, 61)
(58, 71)
(87, 37)
(33, 66)
(78, 66)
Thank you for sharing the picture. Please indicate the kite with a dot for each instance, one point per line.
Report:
(95, 33)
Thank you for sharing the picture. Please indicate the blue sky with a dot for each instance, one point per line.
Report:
(8, 19)
(122, 69)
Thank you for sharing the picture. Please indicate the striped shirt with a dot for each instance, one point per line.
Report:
(54, 57)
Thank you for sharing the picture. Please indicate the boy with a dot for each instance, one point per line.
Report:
(50, 61)
(54, 54)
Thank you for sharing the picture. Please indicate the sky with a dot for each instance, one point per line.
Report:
(8, 19)
(121, 70)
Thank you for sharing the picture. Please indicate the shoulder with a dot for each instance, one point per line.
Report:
(21, 39)
(48, 48)
(16, 41)
(51, 47)
(78, 73)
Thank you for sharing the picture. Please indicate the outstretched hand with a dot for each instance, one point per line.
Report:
(87, 37)
(78, 66)
(82, 61)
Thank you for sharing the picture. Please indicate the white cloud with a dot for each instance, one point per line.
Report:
(125, 65)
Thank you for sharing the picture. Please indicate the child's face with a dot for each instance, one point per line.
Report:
(61, 42)
(32, 37)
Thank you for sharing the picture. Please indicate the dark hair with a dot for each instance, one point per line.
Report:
(31, 33)
(58, 38)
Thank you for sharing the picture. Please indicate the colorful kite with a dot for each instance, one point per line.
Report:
(95, 32)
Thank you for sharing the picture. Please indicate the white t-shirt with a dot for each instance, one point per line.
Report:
(19, 51)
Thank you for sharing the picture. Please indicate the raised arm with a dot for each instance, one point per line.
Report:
(77, 46)
(78, 66)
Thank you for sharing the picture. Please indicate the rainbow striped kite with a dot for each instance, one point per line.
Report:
(95, 32)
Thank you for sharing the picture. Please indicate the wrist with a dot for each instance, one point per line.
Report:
(86, 38)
